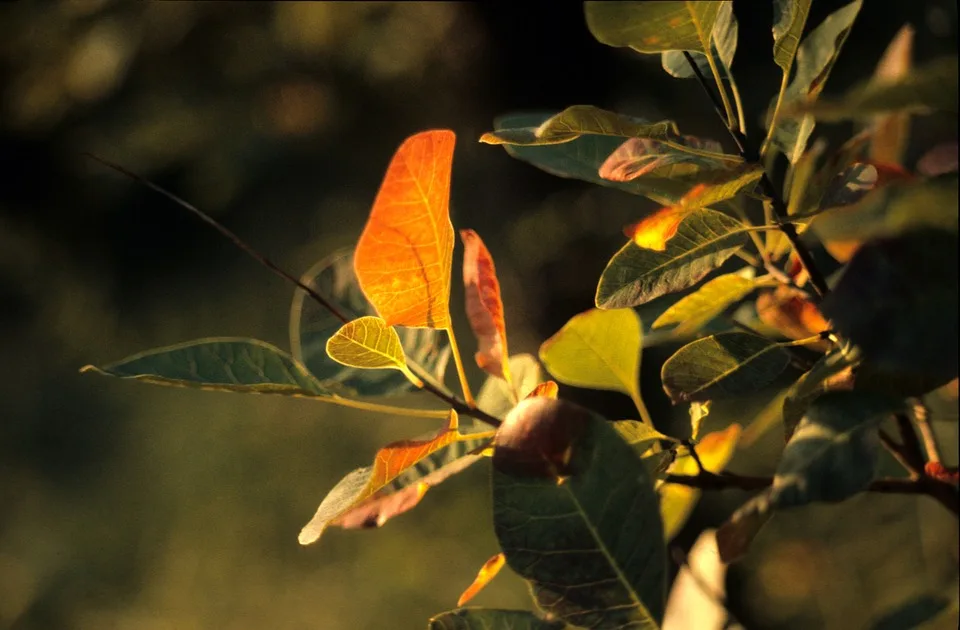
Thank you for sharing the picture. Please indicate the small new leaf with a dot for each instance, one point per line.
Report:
(369, 343)
(487, 572)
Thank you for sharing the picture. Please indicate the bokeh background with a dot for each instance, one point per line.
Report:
(130, 506)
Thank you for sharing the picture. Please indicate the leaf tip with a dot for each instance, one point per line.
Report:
(490, 138)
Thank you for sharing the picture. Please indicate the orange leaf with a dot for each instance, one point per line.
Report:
(487, 572)
(547, 389)
(654, 231)
(791, 313)
(484, 306)
(404, 255)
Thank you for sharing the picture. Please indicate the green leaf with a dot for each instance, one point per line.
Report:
(927, 88)
(220, 364)
(693, 311)
(491, 619)
(723, 42)
(689, 159)
(722, 366)
(590, 542)
(833, 371)
(369, 343)
(640, 435)
(311, 326)
(789, 18)
(497, 397)
(916, 612)
(653, 27)
(897, 302)
(893, 209)
(704, 240)
(583, 120)
(597, 349)
(815, 59)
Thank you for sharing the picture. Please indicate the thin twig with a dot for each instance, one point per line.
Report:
(752, 156)
(921, 416)
(457, 404)
(693, 453)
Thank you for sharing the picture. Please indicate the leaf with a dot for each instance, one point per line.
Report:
(791, 313)
(699, 591)
(939, 160)
(484, 306)
(915, 612)
(547, 389)
(368, 343)
(487, 572)
(897, 301)
(899, 207)
(789, 18)
(497, 397)
(223, 364)
(581, 120)
(491, 619)
(928, 88)
(890, 131)
(361, 484)
(832, 372)
(677, 501)
(634, 276)
(698, 411)
(723, 41)
(589, 543)
(653, 27)
(691, 159)
(640, 435)
(722, 366)
(690, 313)
(403, 258)
(311, 325)
(597, 349)
(814, 60)
(405, 492)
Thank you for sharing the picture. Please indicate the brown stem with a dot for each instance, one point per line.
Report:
(752, 156)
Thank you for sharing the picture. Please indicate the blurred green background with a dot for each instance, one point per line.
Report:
(130, 506)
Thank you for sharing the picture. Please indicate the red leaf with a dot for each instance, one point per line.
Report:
(484, 306)
(487, 572)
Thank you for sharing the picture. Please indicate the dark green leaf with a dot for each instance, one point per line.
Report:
(576, 514)
(723, 44)
(704, 240)
(722, 366)
(491, 619)
(652, 27)
(220, 364)
(914, 613)
(927, 88)
(311, 326)
(834, 371)
(897, 301)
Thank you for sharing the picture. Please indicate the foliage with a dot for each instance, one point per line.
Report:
(584, 509)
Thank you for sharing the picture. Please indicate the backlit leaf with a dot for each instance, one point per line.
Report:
(704, 240)
(487, 572)
(581, 120)
(694, 159)
(723, 42)
(722, 366)
(547, 389)
(640, 435)
(492, 619)
(362, 484)
(789, 18)
(369, 343)
(311, 325)
(691, 312)
(497, 397)
(930, 87)
(790, 312)
(597, 349)
(814, 60)
(219, 364)
(403, 258)
(484, 306)
(677, 501)
(699, 591)
(653, 27)
(890, 131)
(576, 515)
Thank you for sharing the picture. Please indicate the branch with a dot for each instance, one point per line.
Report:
(943, 492)
(752, 156)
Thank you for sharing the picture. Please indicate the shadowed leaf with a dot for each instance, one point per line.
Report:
(362, 484)
(497, 397)
(692, 312)
(891, 130)
(723, 41)
(691, 159)
(597, 349)
(311, 325)
(491, 619)
(219, 364)
(677, 501)
(576, 516)
(581, 120)
(368, 343)
(722, 366)
(634, 276)
(487, 572)
(832, 372)
(653, 27)
(484, 306)
(939, 160)
(403, 258)
(640, 435)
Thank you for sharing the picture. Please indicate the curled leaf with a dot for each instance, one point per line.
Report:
(404, 254)
(369, 343)
(487, 572)
(546, 389)
(484, 306)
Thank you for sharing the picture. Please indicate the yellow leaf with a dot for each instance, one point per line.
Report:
(487, 572)
(369, 343)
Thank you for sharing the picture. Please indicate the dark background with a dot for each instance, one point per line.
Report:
(129, 506)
